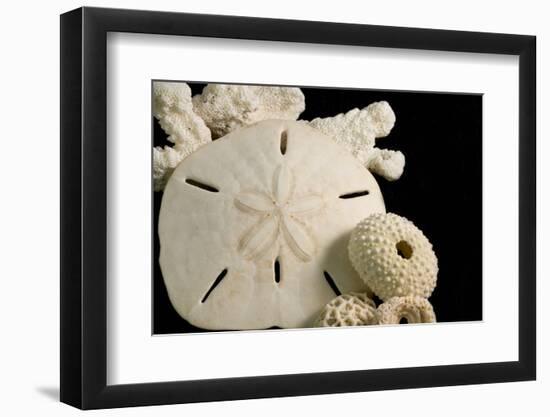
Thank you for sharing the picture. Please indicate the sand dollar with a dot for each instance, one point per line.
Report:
(254, 227)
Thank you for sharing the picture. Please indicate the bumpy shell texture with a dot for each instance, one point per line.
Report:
(393, 257)
(225, 107)
(412, 309)
(254, 227)
(354, 309)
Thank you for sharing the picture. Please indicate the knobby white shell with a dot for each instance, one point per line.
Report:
(393, 256)
(354, 309)
(254, 227)
(413, 309)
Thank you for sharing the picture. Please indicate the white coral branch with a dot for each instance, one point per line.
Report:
(191, 122)
(386, 163)
(165, 160)
(225, 107)
(173, 108)
(357, 130)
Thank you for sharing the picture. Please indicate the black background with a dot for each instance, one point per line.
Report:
(440, 189)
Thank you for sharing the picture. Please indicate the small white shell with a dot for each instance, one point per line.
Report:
(413, 309)
(353, 309)
(393, 256)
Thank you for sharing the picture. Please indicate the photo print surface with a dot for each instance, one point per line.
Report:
(297, 207)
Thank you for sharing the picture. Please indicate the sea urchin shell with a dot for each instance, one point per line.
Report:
(353, 309)
(412, 309)
(393, 256)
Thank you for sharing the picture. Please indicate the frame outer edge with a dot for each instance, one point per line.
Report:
(83, 208)
(70, 204)
(94, 209)
(527, 207)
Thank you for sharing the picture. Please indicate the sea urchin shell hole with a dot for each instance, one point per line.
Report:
(269, 207)
(404, 249)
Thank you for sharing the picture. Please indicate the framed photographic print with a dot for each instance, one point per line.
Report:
(258, 208)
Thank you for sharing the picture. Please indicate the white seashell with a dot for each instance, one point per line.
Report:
(353, 309)
(401, 260)
(247, 232)
(411, 308)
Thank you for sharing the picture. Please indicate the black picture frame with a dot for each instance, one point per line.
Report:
(84, 207)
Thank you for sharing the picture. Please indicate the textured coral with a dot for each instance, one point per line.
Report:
(221, 108)
(173, 108)
(225, 108)
(165, 160)
(412, 309)
(386, 163)
(357, 130)
(353, 309)
(393, 256)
